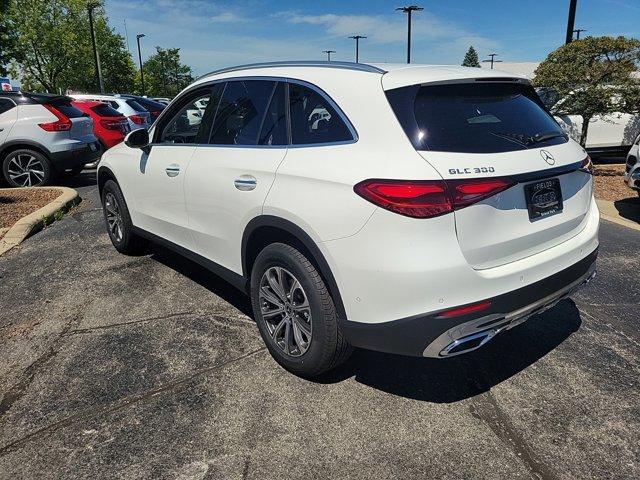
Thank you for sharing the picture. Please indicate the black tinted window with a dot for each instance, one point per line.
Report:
(150, 105)
(240, 113)
(474, 118)
(313, 119)
(68, 110)
(274, 127)
(135, 105)
(184, 126)
(105, 110)
(6, 105)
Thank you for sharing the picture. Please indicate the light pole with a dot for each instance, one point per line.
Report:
(96, 55)
(492, 60)
(578, 31)
(357, 39)
(138, 37)
(409, 10)
(328, 52)
(571, 20)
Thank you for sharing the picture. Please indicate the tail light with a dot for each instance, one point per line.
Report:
(111, 124)
(464, 310)
(429, 198)
(137, 119)
(62, 124)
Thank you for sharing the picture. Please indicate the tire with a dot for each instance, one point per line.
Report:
(27, 168)
(118, 221)
(315, 343)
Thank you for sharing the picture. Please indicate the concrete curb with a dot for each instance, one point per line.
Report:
(36, 220)
(609, 212)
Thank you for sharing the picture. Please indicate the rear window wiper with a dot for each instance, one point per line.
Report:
(543, 137)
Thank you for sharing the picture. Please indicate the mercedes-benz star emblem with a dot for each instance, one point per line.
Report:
(547, 157)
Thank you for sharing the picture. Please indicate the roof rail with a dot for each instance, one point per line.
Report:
(362, 67)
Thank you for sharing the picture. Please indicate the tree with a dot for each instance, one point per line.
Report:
(593, 76)
(471, 58)
(164, 74)
(54, 50)
(8, 38)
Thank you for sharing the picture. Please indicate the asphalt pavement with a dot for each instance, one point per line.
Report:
(115, 367)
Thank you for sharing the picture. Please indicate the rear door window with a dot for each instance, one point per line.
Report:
(474, 117)
(241, 111)
(313, 118)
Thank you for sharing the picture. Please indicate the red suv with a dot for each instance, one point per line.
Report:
(109, 125)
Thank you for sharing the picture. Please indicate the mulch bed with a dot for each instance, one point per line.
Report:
(609, 185)
(15, 204)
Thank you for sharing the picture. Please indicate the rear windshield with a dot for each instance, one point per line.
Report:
(135, 105)
(69, 110)
(474, 117)
(105, 110)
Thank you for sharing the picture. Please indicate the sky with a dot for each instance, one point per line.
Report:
(212, 34)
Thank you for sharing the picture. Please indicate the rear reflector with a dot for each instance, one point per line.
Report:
(63, 123)
(429, 198)
(459, 311)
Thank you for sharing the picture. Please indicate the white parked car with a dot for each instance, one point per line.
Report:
(137, 115)
(632, 167)
(429, 209)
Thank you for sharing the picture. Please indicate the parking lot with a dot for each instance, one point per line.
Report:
(151, 367)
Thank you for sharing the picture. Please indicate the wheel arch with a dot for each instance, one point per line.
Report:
(267, 229)
(104, 174)
(16, 144)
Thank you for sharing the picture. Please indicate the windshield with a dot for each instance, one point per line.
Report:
(474, 117)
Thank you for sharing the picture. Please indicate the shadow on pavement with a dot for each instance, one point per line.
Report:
(458, 378)
(629, 208)
(86, 178)
(202, 277)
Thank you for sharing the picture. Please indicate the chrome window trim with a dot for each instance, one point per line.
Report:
(361, 67)
(354, 133)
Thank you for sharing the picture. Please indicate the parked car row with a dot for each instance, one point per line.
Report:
(632, 167)
(44, 136)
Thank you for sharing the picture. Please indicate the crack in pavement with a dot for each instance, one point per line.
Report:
(122, 324)
(486, 408)
(17, 390)
(120, 404)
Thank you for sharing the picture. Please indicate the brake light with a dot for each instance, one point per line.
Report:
(111, 124)
(468, 192)
(429, 198)
(63, 123)
(459, 311)
(137, 119)
(412, 198)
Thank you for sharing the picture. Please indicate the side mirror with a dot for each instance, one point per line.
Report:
(138, 139)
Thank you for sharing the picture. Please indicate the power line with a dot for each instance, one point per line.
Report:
(578, 31)
(492, 60)
(409, 10)
(328, 52)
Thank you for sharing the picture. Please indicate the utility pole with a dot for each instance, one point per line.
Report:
(571, 20)
(328, 52)
(409, 10)
(138, 37)
(357, 39)
(492, 60)
(577, 32)
(96, 55)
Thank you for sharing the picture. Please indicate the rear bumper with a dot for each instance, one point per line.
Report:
(74, 158)
(432, 336)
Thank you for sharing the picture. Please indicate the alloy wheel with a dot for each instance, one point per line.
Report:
(26, 170)
(286, 311)
(113, 216)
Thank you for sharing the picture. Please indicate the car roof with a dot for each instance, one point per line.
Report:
(394, 74)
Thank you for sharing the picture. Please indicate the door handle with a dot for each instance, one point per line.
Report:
(245, 183)
(1, 129)
(172, 170)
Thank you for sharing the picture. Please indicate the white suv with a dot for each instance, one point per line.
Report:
(42, 136)
(417, 210)
(137, 115)
(632, 167)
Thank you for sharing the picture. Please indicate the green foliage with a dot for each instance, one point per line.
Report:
(54, 50)
(8, 38)
(471, 58)
(164, 74)
(58, 215)
(593, 76)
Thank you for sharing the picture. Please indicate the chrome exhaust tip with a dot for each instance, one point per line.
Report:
(468, 343)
